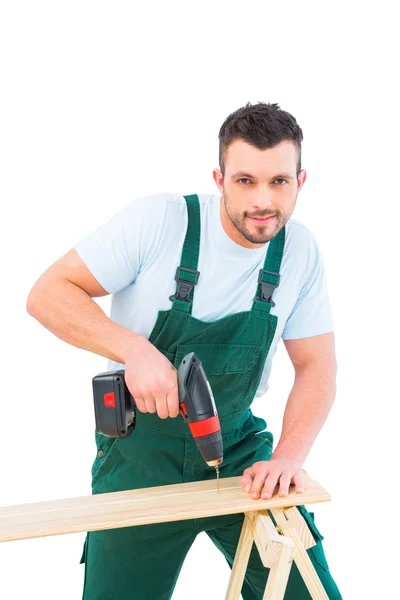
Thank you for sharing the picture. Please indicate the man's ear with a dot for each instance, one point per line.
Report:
(218, 178)
(301, 179)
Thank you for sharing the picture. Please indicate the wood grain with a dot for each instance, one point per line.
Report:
(143, 506)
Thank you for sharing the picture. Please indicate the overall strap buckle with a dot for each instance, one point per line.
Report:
(184, 286)
(267, 287)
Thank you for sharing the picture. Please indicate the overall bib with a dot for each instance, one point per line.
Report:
(143, 562)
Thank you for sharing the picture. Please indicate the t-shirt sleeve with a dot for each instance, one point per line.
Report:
(115, 252)
(312, 313)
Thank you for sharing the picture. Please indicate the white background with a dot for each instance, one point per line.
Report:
(102, 103)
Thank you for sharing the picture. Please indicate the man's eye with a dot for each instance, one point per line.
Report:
(245, 179)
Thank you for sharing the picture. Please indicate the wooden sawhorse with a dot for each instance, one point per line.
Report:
(277, 552)
(278, 545)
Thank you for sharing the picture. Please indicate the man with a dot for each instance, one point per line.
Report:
(235, 251)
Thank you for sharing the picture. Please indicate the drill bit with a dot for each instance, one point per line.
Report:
(217, 470)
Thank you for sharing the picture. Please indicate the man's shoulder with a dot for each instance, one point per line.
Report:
(297, 226)
(162, 203)
(176, 197)
(158, 199)
(297, 232)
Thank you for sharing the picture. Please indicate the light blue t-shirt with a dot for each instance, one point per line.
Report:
(135, 254)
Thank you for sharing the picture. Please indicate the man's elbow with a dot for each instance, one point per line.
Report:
(31, 303)
(33, 300)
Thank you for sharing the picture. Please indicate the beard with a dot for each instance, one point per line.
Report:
(256, 234)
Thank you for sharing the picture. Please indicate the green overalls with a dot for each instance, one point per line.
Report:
(143, 562)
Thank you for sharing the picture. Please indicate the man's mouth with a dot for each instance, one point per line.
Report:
(262, 220)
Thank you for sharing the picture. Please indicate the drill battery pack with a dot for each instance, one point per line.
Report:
(114, 406)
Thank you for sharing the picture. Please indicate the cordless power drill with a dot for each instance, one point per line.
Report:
(115, 408)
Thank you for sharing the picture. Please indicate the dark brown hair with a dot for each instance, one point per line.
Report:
(262, 125)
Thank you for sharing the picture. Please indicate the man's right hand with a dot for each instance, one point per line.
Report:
(152, 380)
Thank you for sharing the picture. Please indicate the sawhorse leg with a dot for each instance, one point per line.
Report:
(277, 552)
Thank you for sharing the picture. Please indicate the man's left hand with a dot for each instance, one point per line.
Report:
(263, 476)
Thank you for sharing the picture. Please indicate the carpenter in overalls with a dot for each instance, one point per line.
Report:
(143, 562)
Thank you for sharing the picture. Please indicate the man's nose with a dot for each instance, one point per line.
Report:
(263, 201)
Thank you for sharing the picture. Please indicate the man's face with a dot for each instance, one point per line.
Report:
(258, 183)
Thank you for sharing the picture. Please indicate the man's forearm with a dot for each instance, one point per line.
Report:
(71, 314)
(307, 408)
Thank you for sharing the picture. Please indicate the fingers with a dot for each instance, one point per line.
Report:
(146, 404)
(256, 478)
(140, 403)
(284, 484)
(300, 481)
(167, 406)
(153, 382)
(161, 405)
(173, 403)
(264, 480)
(247, 479)
(165, 402)
(263, 477)
(150, 404)
(164, 406)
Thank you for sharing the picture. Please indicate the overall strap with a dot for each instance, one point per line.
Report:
(187, 274)
(268, 277)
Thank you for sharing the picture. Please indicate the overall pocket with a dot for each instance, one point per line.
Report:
(106, 447)
(85, 562)
(228, 368)
(255, 432)
(317, 550)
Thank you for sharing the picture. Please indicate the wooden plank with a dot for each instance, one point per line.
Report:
(143, 506)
